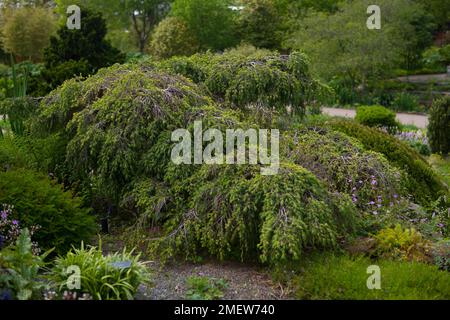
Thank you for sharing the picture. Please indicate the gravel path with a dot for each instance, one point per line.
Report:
(244, 282)
(420, 121)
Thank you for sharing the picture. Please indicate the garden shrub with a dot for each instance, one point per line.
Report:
(13, 153)
(402, 244)
(439, 127)
(172, 37)
(327, 276)
(422, 182)
(74, 51)
(112, 277)
(259, 80)
(119, 123)
(40, 202)
(235, 212)
(376, 116)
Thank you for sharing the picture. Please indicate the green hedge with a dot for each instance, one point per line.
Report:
(39, 201)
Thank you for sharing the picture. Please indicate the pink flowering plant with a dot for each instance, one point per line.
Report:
(10, 229)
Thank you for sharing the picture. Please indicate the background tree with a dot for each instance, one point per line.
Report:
(440, 11)
(211, 21)
(145, 15)
(340, 44)
(259, 23)
(125, 19)
(26, 31)
(78, 52)
(172, 37)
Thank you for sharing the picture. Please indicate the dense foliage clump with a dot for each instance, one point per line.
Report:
(253, 79)
(376, 116)
(40, 202)
(422, 182)
(439, 127)
(77, 52)
(118, 125)
(345, 166)
(172, 37)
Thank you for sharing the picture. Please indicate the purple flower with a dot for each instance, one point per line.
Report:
(372, 203)
(374, 182)
(15, 222)
(395, 196)
(440, 225)
(4, 215)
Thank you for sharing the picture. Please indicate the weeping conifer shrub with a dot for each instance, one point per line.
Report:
(118, 127)
(253, 79)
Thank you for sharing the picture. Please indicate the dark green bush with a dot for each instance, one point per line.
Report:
(376, 116)
(56, 75)
(422, 182)
(73, 52)
(39, 201)
(439, 127)
(13, 154)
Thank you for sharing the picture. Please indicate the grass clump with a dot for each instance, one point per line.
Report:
(328, 276)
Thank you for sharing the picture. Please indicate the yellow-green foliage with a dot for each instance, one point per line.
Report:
(376, 116)
(172, 37)
(118, 125)
(403, 244)
(254, 79)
